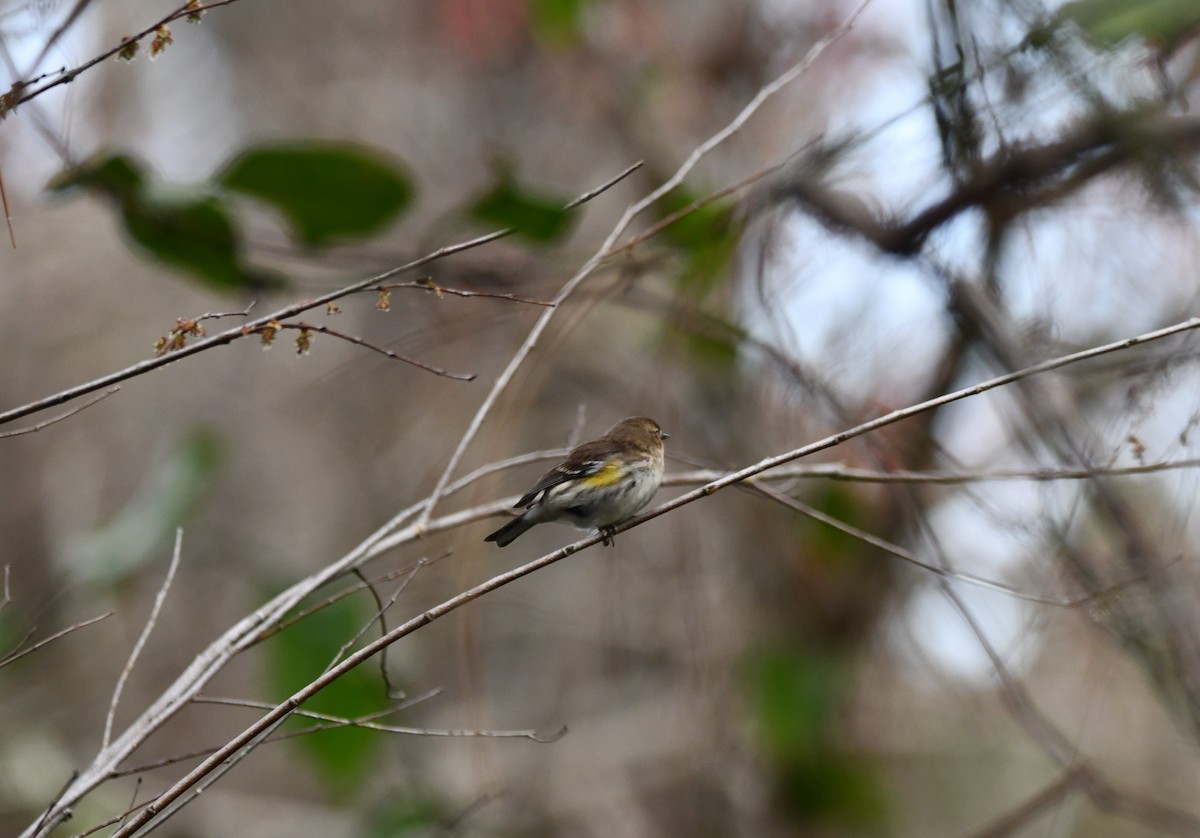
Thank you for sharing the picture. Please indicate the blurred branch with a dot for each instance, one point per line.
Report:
(151, 621)
(1012, 181)
(912, 558)
(19, 653)
(12, 234)
(238, 332)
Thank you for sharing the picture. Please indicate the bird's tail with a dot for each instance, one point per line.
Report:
(509, 533)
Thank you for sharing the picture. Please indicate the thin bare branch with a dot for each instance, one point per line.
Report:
(17, 655)
(304, 326)
(151, 621)
(427, 284)
(339, 721)
(291, 734)
(57, 798)
(12, 234)
(68, 414)
(280, 625)
(910, 557)
(380, 616)
(70, 75)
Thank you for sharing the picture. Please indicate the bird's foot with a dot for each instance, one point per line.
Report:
(607, 534)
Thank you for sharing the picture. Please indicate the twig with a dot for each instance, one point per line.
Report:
(12, 235)
(304, 326)
(236, 333)
(339, 721)
(70, 75)
(606, 249)
(291, 734)
(34, 428)
(379, 616)
(7, 592)
(59, 31)
(137, 785)
(17, 655)
(280, 625)
(57, 797)
(907, 555)
(141, 641)
(668, 220)
(427, 284)
(1030, 809)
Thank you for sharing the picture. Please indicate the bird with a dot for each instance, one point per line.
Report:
(601, 483)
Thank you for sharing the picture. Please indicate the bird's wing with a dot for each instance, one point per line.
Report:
(586, 460)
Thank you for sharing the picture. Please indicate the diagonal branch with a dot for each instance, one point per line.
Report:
(151, 621)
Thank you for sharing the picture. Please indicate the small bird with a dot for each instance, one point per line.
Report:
(600, 484)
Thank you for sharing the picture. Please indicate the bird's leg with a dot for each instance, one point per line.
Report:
(607, 534)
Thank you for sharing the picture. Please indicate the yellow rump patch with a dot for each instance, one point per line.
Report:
(606, 476)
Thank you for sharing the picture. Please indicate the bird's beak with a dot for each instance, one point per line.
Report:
(664, 434)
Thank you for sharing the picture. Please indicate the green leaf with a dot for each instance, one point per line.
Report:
(186, 228)
(1109, 22)
(326, 191)
(193, 233)
(557, 23)
(539, 218)
(118, 175)
(793, 701)
(342, 756)
(707, 236)
(795, 698)
(406, 816)
(142, 531)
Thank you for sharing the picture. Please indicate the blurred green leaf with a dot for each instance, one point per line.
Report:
(193, 233)
(795, 698)
(342, 756)
(189, 229)
(707, 236)
(536, 217)
(557, 23)
(118, 175)
(326, 191)
(831, 545)
(707, 338)
(405, 816)
(142, 531)
(1109, 22)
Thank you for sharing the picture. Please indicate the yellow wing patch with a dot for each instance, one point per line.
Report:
(606, 476)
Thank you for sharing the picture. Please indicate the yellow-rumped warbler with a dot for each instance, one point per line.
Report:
(600, 484)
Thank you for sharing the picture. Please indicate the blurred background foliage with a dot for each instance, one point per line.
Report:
(952, 191)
